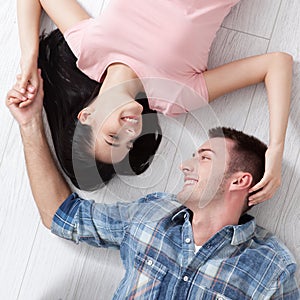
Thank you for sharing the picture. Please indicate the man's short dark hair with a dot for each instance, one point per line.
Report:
(247, 155)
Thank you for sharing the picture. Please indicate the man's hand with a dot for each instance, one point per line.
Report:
(24, 114)
(48, 186)
(271, 180)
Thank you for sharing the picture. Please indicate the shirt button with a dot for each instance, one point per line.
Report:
(149, 262)
(185, 278)
(187, 240)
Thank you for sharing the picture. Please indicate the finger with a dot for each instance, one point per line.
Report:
(260, 184)
(264, 192)
(16, 94)
(29, 96)
(25, 103)
(22, 83)
(263, 195)
(11, 101)
(40, 76)
(31, 88)
(16, 100)
(34, 81)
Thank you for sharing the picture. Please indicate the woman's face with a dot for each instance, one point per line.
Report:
(115, 137)
(116, 124)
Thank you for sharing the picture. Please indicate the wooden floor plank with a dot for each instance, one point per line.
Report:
(18, 218)
(255, 17)
(281, 214)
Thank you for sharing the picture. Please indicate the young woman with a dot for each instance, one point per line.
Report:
(161, 50)
(68, 93)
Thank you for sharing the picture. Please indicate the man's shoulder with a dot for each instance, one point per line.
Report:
(271, 245)
(158, 203)
(158, 198)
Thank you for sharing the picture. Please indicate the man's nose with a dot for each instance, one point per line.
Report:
(187, 166)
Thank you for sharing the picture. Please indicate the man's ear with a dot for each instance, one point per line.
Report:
(240, 181)
(84, 116)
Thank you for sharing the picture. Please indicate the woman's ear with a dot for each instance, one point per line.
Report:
(241, 181)
(84, 116)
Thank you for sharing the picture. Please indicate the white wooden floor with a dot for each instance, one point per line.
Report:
(36, 265)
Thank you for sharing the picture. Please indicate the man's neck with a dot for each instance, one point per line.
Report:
(209, 220)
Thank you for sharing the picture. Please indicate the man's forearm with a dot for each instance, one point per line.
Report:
(48, 186)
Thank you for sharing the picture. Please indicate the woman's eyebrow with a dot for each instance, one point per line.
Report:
(111, 144)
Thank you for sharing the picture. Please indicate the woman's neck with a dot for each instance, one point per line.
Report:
(121, 77)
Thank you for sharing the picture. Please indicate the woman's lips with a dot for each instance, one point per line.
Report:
(131, 119)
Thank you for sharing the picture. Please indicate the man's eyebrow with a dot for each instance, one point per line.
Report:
(205, 150)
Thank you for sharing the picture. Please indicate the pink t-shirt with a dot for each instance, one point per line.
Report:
(165, 42)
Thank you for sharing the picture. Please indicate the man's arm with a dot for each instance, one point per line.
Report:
(48, 186)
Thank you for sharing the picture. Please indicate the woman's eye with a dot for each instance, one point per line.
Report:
(114, 137)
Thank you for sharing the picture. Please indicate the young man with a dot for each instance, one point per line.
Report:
(199, 244)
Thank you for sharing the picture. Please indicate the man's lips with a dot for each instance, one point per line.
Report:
(190, 181)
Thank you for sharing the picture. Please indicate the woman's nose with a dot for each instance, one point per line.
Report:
(130, 132)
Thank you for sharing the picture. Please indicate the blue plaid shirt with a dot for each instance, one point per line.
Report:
(155, 239)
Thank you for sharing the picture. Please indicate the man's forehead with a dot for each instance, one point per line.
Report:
(216, 145)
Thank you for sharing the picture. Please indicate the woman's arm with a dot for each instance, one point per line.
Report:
(64, 14)
(275, 69)
(29, 13)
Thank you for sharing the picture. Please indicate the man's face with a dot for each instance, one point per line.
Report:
(204, 173)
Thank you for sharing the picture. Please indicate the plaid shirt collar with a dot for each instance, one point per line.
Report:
(240, 233)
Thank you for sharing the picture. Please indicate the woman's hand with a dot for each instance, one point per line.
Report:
(271, 180)
(24, 114)
(24, 96)
(28, 80)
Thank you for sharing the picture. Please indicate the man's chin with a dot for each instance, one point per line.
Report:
(184, 195)
(189, 199)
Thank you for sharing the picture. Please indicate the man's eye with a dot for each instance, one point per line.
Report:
(203, 157)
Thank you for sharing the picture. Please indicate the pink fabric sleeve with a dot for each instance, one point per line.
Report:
(74, 35)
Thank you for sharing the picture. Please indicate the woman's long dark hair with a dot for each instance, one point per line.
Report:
(66, 91)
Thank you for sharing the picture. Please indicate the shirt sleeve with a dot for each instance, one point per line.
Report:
(98, 224)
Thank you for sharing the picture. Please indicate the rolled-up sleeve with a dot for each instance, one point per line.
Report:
(100, 225)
